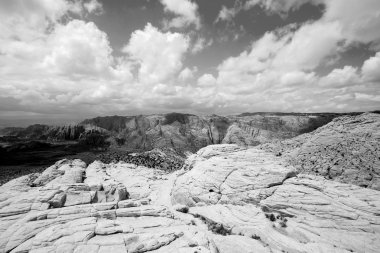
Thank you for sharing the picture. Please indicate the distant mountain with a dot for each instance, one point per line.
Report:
(181, 132)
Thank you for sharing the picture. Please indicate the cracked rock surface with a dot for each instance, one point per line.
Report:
(229, 174)
(260, 200)
(225, 199)
(346, 150)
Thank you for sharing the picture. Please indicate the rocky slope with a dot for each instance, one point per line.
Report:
(346, 150)
(225, 199)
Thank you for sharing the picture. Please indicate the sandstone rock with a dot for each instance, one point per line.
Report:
(229, 174)
(62, 172)
(257, 203)
(241, 244)
(346, 150)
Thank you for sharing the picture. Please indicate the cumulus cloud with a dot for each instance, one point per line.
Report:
(53, 63)
(187, 74)
(78, 48)
(279, 71)
(159, 55)
(206, 80)
(359, 20)
(186, 13)
(344, 77)
(51, 66)
(371, 68)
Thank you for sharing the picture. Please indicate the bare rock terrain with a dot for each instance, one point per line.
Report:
(346, 150)
(226, 198)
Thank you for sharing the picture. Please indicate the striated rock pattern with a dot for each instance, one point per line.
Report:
(272, 207)
(229, 174)
(74, 208)
(225, 199)
(346, 150)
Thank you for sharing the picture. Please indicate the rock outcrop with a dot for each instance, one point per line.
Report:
(225, 199)
(249, 195)
(346, 150)
(74, 208)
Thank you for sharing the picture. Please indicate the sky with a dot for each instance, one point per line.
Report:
(74, 59)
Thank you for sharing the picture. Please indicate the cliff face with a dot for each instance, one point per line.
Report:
(185, 132)
(182, 132)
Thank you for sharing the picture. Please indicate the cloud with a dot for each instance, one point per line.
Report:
(93, 6)
(227, 14)
(317, 40)
(280, 70)
(359, 20)
(280, 7)
(344, 77)
(187, 74)
(52, 63)
(78, 48)
(200, 44)
(206, 80)
(186, 13)
(371, 68)
(159, 55)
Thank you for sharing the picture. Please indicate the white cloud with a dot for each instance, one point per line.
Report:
(200, 44)
(297, 78)
(78, 48)
(371, 68)
(360, 20)
(186, 13)
(187, 74)
(51, 63)
(93, 6)
(227, 14)
(279, 6)
(206, 80)
(279, 71)
(317, 41)
(159, 55)
(344, 77)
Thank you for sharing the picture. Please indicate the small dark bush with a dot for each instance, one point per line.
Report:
(283, 224)
(120, 141)
(256, 237)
